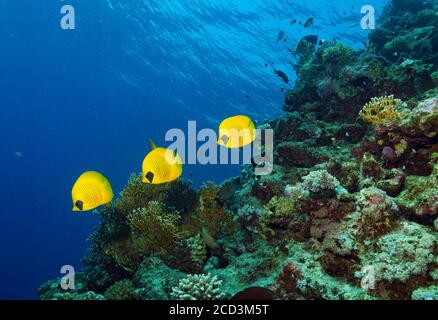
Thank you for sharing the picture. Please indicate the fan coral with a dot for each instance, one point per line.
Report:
(380, 110)
(320, 183)
(121, 290)
(154, 229)
(199, 287)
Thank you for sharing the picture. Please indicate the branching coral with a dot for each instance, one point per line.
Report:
(197, 249)
(154, 229)
(137, 194)
(380, 110)
(199, 287)
(210, 214)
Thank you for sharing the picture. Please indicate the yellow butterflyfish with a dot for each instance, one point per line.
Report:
(90, 191)
(161, 165)
(236, 132)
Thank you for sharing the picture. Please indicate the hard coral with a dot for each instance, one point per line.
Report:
(210, 213)
(320, 183)
(199, 287)
(381, 110)
(404, 253)
(154, 229)
(198, 251)
(121, 290)
(137, 194)
(378, 212)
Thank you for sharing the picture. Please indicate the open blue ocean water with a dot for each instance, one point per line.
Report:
(90, 98)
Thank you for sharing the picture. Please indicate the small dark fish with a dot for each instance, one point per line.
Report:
(282, 89)
(266, 65)
(280, 35)
(282, 75)
(247, 96)
(300, 23)
(293, 21)
(308, 23)
(284, 40)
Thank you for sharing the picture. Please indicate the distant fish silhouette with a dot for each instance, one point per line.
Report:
(308, 23)
(18, 154)
(282, 75)
(280, 35)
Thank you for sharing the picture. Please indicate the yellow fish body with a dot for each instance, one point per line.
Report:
(161, 165)
(236, 132)
(90, 191)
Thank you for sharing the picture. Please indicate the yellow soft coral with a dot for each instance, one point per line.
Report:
(381, 110)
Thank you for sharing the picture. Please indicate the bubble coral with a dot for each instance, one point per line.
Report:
(199, 287)
(380, 110)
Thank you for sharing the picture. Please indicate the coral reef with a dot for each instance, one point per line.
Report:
(199, 287)
(354, 190)
(121, 290)
(381, 110)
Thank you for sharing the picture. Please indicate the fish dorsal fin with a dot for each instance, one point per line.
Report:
(153, 146)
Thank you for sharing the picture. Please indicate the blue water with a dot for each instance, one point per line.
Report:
(89, 99)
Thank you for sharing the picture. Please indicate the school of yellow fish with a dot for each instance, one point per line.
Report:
(161, 165)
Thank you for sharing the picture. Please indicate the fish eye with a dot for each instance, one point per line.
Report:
(79, 204)
(149, 176)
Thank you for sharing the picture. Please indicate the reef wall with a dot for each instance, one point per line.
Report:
(350, 211)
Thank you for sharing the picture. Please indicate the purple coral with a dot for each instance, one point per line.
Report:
(389, 155)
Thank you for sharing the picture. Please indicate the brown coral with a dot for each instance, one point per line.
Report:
(210, 213)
